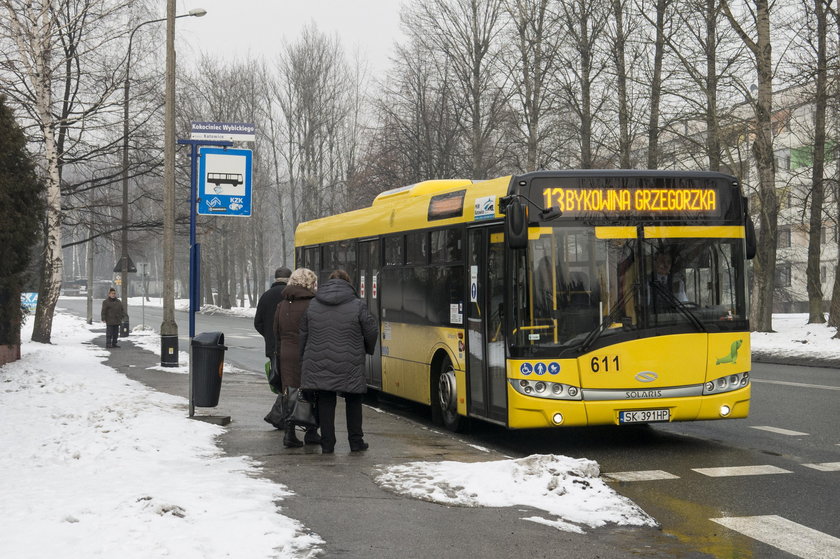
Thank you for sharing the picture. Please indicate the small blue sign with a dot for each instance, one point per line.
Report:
(540, 368)
(554, 368)
(526, 369)
(224, 182)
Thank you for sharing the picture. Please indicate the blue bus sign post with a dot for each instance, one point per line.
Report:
(224, 182)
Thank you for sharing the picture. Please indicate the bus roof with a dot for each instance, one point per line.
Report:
(400, 209)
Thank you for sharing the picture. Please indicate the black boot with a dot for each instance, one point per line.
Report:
(290, 439)
(312, 436)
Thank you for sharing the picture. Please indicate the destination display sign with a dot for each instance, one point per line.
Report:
(632, 201)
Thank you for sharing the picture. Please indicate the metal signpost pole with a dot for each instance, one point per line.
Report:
(195, 248)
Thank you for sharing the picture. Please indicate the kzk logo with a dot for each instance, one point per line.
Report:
(646, 376)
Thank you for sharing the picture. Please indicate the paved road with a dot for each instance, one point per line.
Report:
(782, 496)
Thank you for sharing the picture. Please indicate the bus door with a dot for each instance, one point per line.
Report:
(368, 289)
(486, 376)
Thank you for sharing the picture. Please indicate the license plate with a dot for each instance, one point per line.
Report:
(644, 416)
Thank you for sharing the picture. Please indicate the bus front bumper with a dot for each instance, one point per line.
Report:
(527, 412)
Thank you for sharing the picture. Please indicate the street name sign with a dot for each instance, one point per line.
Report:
(231, 131)
(224, 182)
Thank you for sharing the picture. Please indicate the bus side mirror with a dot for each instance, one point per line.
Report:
(516, 224)
(749, 234)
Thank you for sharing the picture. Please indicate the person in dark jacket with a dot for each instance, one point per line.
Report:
(112, 316)
(296, 297)
(263, 322)
(335, 333)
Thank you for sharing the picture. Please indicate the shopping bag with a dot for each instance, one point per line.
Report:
(272, 375)
(301, 408)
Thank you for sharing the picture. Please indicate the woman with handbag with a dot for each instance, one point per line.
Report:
(335, 334)
(292, 306)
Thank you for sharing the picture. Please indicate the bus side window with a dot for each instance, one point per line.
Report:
(394, 251)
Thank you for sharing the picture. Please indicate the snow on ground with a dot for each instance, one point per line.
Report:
(147, 338)
(569, 489)
(795, 338)
(96, 465)
(184, 305)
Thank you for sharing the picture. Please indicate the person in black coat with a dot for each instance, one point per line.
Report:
(112, 316)
(264, 323)
(335, 334)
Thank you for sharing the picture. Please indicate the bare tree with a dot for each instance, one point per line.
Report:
(755, 33)
(534, 62)
(57, 54)
(465, 33)
(317, 94)
(817, 26)
(584, 24)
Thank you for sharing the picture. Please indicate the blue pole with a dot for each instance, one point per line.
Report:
(195, 248)
(195, 263)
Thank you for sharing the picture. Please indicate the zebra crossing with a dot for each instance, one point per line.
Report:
(773, 530)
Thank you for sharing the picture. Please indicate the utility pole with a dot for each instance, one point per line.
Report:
(169, 328)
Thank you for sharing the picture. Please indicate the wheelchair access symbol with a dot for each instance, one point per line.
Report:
(526, 369)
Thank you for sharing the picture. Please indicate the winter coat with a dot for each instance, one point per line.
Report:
(112, 311)
(264, 316)
(287, 332)
(335, 333)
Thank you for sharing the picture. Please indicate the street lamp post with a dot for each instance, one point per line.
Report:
(198, 12)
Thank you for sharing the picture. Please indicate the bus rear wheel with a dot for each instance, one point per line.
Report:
(445, 397)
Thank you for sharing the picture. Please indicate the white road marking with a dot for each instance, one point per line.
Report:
(643, 475)
(825, 466)
(778, 430)
(786, 535)
(800, 384)
(740, 471)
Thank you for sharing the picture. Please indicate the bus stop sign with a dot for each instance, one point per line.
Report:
(224, 182)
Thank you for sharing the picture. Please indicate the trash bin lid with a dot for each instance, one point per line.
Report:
(208, 339)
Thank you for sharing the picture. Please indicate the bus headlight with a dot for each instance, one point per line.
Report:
(726, 384)
(546, 389)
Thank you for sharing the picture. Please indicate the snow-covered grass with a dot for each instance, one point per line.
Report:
(96, 465)
(793, 337)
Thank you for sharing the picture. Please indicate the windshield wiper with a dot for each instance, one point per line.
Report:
(669, 297)
(596, 332)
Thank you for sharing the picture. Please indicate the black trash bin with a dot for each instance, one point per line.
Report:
(208, 359)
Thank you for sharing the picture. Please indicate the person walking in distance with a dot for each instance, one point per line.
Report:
(296, 297)
(335, 333)
(112, 315)
(264, 324)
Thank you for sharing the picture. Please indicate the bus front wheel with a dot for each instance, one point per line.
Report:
(445, 397)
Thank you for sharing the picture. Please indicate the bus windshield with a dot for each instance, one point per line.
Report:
(577, 288)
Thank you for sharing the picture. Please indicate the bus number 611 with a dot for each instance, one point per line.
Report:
(605, 364)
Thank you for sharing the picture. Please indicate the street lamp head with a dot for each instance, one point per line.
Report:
(198, 12)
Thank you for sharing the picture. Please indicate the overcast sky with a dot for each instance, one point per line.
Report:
(237, 29)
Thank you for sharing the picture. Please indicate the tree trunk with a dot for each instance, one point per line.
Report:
(621, 82)
(656, 86)
(764, 264)
(815, 293)
(713, 151)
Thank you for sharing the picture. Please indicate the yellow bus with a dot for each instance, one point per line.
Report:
(547, 299)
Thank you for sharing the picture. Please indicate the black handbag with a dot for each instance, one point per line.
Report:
(301, 407)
